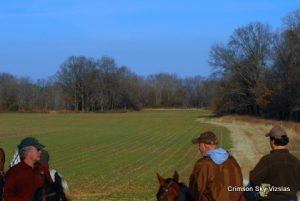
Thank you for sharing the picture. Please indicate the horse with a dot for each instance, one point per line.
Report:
(51, 192)
(172, 190)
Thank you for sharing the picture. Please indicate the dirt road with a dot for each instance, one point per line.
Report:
(249, 141)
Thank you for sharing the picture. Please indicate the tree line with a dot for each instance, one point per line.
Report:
(88, 84)
(258, 70)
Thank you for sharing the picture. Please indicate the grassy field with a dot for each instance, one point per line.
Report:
(113, 156)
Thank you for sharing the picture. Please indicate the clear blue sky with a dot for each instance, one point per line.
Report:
(148, 36)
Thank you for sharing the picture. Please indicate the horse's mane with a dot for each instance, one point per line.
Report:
(185, 192)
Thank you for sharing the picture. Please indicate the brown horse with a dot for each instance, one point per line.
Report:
(172, 190)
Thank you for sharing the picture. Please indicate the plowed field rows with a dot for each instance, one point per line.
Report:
(113, 156)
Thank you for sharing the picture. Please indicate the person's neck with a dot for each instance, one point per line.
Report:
(279, 147)
(211, 147)
(29, 162)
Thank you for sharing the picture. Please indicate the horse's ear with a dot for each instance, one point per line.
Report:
(176, 176)
(161, 180)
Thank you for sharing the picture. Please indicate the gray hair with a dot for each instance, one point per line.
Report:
(23, 151)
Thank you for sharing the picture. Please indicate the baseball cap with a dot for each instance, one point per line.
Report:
(207, 137)
(276, 132)
(30, 141)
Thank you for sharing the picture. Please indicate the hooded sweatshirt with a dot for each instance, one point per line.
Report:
(214, 175)
(218, 156)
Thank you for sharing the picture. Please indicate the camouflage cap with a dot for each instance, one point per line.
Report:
(207, 137)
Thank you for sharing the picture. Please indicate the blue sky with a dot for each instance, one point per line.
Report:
(148, 36)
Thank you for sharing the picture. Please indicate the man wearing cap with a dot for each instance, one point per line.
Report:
(217, 175)
(23, 179)
(280, 170)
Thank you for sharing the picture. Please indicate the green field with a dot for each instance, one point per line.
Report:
(113, 156)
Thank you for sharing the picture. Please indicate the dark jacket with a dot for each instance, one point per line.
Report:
(21, 181)
(211, 182)
(281, 170)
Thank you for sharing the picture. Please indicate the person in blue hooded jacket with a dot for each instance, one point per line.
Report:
(216, 176)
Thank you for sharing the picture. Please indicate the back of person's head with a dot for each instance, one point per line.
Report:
(284, 140)
(207, 137)
(278, 135)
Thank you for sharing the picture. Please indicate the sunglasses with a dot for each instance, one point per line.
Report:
(38, 149)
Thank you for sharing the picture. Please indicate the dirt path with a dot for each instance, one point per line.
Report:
(249, 142)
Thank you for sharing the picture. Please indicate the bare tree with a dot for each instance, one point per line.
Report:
(8, 92)
(286, 82)
(76, 77)
(242, 62)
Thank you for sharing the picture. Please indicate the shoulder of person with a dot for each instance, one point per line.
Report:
(231, 160)
(293, 157)
(204, 161)
(202, 165)
(12, 170)
(267, 156)
(231, 157)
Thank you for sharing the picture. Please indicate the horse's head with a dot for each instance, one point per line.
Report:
(170, 189)
(51, 192)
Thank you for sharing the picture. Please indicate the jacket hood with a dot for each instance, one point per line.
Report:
(218, 156)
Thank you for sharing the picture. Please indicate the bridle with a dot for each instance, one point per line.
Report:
(44, 197)
(170, 183)
(163, 191)
(49, 195)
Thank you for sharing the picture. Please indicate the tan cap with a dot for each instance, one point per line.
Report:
(207, 137)
(276, 132)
